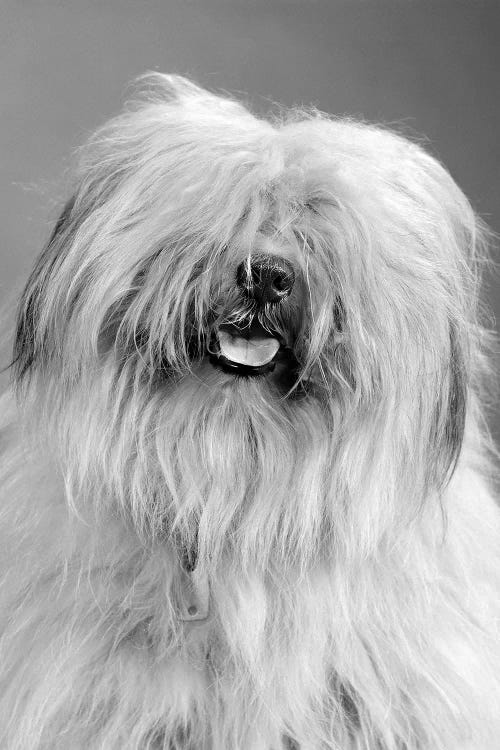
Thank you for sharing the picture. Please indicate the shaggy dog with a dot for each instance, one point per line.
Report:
(244, 475)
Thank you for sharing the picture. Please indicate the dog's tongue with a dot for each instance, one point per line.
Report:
(255, 351)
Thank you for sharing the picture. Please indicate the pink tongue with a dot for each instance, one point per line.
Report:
(256, 351)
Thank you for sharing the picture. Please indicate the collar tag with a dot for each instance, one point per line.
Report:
(193, 595)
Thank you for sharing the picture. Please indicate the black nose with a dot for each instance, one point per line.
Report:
(266, 278)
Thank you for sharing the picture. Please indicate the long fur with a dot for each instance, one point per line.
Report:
(346, 522)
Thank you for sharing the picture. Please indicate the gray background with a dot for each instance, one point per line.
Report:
(432, 67)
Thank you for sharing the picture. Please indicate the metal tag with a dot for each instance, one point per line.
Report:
(193, 595)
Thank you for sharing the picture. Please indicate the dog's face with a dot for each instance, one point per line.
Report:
(260, 331)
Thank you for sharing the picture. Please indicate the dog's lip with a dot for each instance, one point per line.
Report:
(248, 350)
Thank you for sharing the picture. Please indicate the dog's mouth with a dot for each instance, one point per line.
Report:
(248, 350)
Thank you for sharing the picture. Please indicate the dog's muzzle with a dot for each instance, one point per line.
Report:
(249, 347)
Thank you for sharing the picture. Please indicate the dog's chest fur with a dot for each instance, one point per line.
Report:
(273, 665)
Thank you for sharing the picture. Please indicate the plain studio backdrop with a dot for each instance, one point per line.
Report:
(431, 69)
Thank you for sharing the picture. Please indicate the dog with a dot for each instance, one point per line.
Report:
(247, 491)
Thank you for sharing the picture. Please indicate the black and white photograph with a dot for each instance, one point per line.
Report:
(249, 356)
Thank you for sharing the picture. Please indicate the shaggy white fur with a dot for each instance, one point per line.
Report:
(201, 554)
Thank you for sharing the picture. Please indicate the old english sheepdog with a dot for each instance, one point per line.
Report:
(245, 481)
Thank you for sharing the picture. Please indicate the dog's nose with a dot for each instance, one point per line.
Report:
(266, 278)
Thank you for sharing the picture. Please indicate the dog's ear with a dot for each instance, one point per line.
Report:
(450, 413)
(457, 400)
(32, 343)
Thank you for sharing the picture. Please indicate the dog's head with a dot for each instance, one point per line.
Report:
(266, 328)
